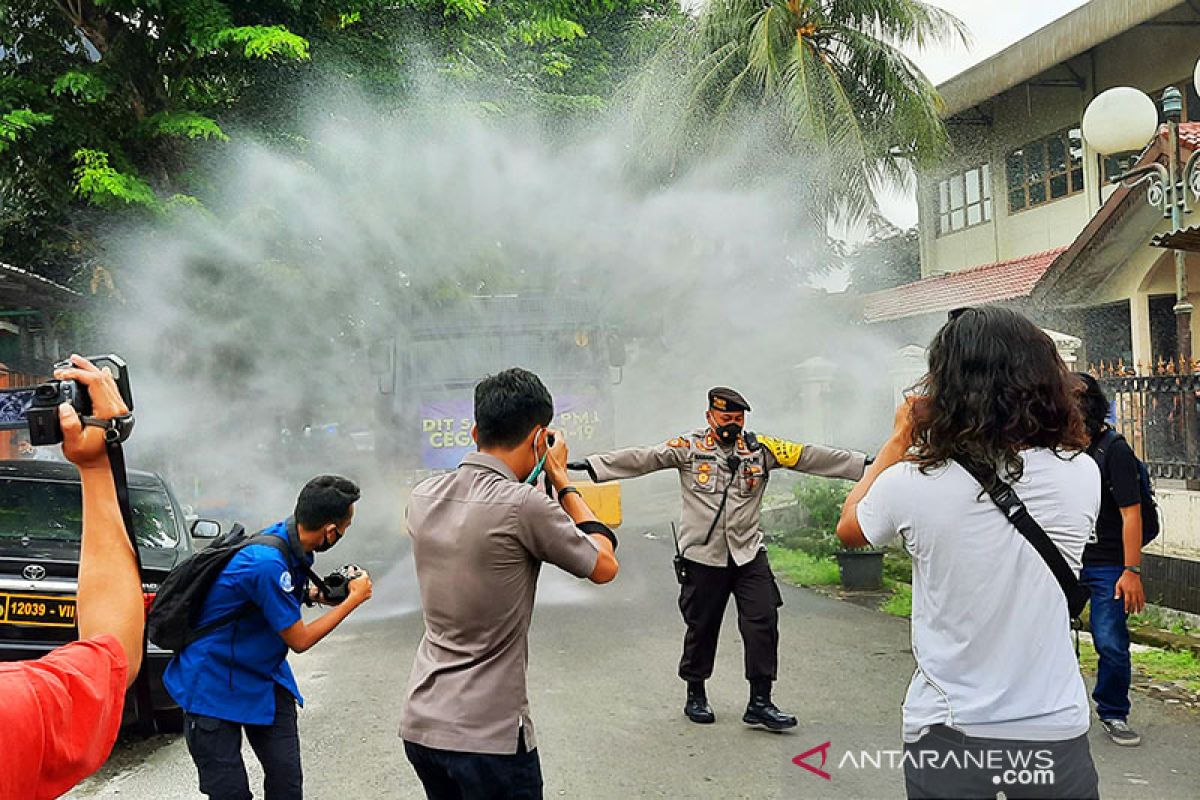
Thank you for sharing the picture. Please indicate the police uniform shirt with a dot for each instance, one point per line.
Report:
(703, 475)
(479, 537)
(231, 673)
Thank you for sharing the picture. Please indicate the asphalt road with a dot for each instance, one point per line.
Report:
(608, 706)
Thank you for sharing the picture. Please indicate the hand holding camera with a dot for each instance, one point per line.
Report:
(81, 389)
(348, 582)
(556, 459)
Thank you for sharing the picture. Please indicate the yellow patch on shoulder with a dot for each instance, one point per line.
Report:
(785, 452)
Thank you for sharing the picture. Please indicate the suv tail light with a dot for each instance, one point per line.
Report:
(148, 601)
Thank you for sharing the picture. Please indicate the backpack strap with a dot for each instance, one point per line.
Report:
(1013, 508)
(246, 609)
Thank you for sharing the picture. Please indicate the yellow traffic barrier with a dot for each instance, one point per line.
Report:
(604, 499)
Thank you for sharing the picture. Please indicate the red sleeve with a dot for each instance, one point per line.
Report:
(59, 717)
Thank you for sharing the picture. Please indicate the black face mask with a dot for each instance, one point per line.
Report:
(326, 544)
(728, 434)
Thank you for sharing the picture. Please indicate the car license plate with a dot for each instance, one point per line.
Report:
(55, 611)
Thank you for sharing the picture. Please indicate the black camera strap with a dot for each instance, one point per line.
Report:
(116, 463)
(1014, 509)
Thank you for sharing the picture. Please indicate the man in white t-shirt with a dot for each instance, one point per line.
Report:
(997, 702)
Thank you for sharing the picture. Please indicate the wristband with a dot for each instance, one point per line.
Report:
(1134, 570)
(595, 527)
(566, 490)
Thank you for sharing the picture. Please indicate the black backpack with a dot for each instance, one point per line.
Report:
(172, 621)
(1149, 505)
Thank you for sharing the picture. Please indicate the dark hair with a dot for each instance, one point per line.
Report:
(995, 386)
(509, 405)
(325, 499)
(1094, 404)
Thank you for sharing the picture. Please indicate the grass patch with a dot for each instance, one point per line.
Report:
(1160, 665)
(803, 569)
(900, 603)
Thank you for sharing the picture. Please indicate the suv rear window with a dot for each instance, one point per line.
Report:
(48, 511)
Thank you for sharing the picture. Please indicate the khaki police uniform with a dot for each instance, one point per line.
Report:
(732, 558)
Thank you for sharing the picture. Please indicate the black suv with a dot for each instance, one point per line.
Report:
(41, 516)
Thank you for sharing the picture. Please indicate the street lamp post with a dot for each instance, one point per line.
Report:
(1124, 119)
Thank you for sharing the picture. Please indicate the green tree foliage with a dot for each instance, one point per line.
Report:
(888, 257)
(829, 82)
(108, 104)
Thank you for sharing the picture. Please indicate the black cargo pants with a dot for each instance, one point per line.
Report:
(702, 600)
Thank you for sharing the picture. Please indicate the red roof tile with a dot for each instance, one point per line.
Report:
(1189, 134)
(990, 283)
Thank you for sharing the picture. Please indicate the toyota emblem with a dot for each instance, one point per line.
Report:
(34, 572)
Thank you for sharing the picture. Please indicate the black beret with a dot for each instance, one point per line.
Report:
(722, 398)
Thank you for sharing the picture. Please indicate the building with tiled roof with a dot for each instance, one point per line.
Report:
(1026, 215)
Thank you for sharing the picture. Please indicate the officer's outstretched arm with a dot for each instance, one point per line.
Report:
(303, 635)
(815, 459)
(633, 462)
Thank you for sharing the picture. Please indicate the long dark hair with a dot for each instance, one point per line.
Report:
(1094, 405)
(996, 386)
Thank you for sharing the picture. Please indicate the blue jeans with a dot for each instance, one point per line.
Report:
(1111, 637)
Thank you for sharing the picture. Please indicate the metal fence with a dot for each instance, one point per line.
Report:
(1157, 414)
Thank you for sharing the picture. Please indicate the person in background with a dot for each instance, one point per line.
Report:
(59, 715)
(1112, 564)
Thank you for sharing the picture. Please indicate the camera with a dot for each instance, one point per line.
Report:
(337, 583)
(42, 414)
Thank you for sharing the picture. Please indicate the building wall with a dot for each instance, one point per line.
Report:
(1147, 57)
(1180, 534)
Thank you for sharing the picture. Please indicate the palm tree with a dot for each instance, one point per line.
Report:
(832, 79)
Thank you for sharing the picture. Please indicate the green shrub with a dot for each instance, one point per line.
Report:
(900, 603)
(803, 569)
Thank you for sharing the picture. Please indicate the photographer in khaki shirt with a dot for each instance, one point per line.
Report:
(479, 537)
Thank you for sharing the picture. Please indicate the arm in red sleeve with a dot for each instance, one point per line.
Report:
(59, 717)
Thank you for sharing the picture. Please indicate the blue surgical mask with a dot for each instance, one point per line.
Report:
(537, 470)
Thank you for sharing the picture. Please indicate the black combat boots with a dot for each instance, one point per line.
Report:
(761, 711)
(697, 708)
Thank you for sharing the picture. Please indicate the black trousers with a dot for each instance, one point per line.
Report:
(702, 600)
(216, 748)
(454, 775)
(945, 763)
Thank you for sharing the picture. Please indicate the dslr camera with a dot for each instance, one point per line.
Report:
(337, 583)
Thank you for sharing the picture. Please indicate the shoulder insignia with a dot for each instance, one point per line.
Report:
(680, 443)
(785, 452)
(706, 443)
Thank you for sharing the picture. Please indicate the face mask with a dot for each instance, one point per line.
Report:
(537, 470)
(728, 433)
(326, 544)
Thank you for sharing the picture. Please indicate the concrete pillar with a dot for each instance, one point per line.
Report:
(1139, 329)
(816, 379)
(907, 366)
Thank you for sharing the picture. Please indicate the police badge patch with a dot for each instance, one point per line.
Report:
(285, 582)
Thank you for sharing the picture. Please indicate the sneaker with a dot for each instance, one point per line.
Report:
(1119, 731)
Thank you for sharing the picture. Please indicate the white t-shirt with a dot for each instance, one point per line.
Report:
(990, 630)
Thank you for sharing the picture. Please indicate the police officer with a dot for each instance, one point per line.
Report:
(236, 676)
(723, 471)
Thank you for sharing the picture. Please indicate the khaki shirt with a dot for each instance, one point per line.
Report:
(479, 538)
(704, 474)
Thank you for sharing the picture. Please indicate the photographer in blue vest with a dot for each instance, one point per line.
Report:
(236, 677)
